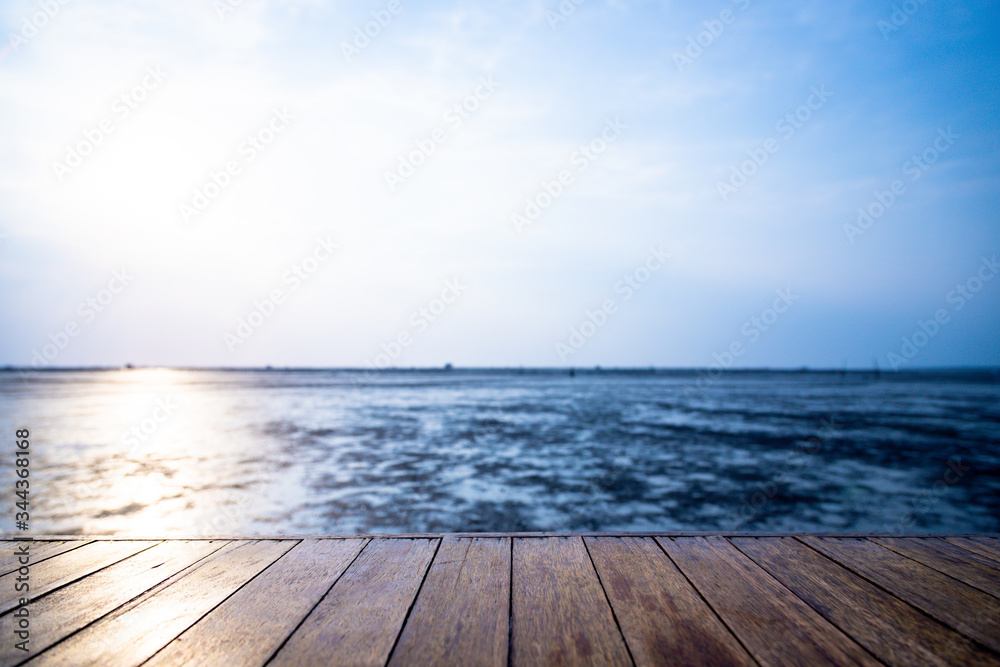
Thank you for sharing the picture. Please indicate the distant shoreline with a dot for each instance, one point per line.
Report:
(936, 371)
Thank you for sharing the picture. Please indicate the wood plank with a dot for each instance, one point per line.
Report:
(125, 602)
(359, 619)
(980, 547)
(68, 609)
(38, 551)
(773, 624)
(949, 559)
(961, 552)
(895, 632)
(972, 612)
(60, 570)
(561, 615)
(297, 580)
(664, 619)
(988, 537)
(136, 631)
(462, 615)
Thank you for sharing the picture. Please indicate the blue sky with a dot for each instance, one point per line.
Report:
(303, 252)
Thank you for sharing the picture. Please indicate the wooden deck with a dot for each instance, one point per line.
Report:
(506, 599)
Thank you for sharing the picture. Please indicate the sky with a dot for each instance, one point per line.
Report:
(738, 183)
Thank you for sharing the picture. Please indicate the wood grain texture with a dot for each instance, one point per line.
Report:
(773, 623)
(561, 615)
(462, 615)
(593, 600)
(972, 612)
(38, 551)
(66, 567)
(981, 547)
(359, 619)
(664, 619)
(70, 608)
(949, 559)
(894, 631)
(136, 631)
(272, 604)
(514, 535)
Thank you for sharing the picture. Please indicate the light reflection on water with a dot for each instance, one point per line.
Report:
(172, 452)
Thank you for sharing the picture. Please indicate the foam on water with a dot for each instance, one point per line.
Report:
(411, 451)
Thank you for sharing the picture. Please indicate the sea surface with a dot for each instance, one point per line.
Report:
(183, 452)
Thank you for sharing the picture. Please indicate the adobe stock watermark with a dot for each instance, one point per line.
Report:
(88, 310)
(249, 149)
(565, 10)
(786, 126)
(121, 109)
(419, 322)
(927, 499)
(986, 618)
(755, 501)
(381, 18)
(899, 17)
(752, 331)
(958, 298)
(145, 429)
(224, 7)
(553, 189)
(32, 24)
(627, 287)
(713, 29)
(913, 168)
(294, 278)
(229, 516)
(453, 117)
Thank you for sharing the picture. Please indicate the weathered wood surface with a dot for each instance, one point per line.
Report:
(561, 615)
(11, 553)
(973, 569)
(776, 626)
(984, 547)
(299, 579)
(75, 606)
(662, 616)
(462, 615)
(945, 598)
(135, 632)
(359, 619)
(67, 567)
(895, 632)
(498, 600)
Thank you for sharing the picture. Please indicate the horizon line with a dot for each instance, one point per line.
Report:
(451, 367)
